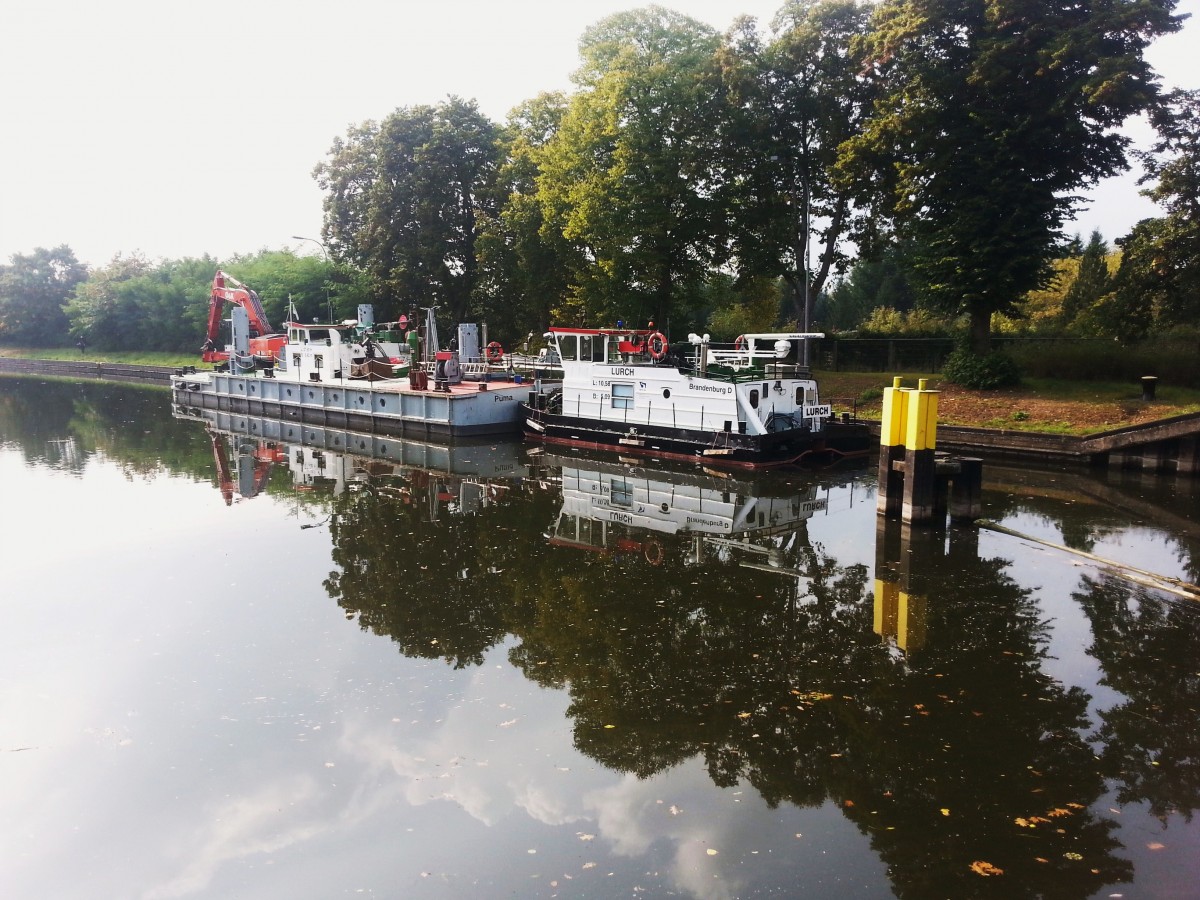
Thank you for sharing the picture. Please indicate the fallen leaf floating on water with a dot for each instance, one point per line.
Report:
(711, 852)
(1155, 845)
(979, 867)
(586, 837)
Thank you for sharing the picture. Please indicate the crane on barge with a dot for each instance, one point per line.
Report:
(264, 342)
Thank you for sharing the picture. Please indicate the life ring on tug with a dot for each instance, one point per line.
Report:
(740, 343)
(656, 345)
(495, 352)
(653, 552)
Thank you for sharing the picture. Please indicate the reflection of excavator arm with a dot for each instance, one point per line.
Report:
(227, 289)
(254, 461)
(224, 476)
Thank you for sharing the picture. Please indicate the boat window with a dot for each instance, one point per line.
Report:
(591, 347)
(799, 396)
(318, 361)
(296, 360)
(568, 346)
(621, 494)
(622, 396)
(754, 398)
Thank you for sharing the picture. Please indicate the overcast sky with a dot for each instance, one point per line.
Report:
(178, 130)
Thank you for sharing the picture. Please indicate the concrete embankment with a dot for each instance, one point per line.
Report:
(89, 371)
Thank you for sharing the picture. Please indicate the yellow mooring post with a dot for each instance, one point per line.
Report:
(907, 439)
(920, 471)
(890, 497)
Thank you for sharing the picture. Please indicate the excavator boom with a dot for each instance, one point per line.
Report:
(227, 289)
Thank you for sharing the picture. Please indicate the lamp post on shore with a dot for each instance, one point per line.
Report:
(325, 254)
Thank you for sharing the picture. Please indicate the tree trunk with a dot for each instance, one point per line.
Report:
(981, 331)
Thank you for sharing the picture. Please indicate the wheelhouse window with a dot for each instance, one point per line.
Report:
(754, 398)
(568, 346)
(591, 347)
(622, 396)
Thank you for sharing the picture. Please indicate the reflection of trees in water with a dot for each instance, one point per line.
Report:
(962, 752)
(126, 423)
(978, 755)
(438, 582)
(1148, 648)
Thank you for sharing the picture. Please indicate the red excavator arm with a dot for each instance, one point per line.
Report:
(227, 289)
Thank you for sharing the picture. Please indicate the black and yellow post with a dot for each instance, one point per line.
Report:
(920, 470)
(907, 440)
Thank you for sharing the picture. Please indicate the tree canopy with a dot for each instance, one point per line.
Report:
(992, 117)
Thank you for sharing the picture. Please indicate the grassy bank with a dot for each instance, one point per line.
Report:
(1049, 405)
(127, 358)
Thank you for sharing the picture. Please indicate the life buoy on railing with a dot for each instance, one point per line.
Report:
(656, 345)
(740, 343)
(495, 352)
(653, 552)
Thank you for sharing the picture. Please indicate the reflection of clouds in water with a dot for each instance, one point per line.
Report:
(246, 826)
(478, 759)
(632, 815)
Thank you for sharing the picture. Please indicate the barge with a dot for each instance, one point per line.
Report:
(337, 376)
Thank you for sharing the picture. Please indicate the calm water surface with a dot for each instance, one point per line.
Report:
(244, 662)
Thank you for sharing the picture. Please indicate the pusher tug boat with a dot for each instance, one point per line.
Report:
(750, 405)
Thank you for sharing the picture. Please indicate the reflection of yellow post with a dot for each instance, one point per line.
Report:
(900, 611)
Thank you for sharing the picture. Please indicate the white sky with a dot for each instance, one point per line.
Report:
(179, 130)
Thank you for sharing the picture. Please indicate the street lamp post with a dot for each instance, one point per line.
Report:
(325, 254)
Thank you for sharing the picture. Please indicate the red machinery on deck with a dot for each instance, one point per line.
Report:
(264, 344)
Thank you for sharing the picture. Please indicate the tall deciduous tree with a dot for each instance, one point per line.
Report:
(632, 176)
(525, 267)
(995, 114)
(34, 289)
(402, 202)
(795, 102)
(1159, 279)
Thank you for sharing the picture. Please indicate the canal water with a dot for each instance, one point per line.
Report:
(245, 659)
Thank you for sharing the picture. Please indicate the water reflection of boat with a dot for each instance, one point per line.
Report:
(337, 459)
(610, 506)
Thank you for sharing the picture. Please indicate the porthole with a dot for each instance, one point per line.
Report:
(666, 393)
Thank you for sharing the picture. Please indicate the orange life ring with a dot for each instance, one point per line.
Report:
(495, 352)
(740, 343)
(656, 345)
(653, 552)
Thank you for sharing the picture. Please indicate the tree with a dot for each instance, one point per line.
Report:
(1159, 278)
(631, 177)
(795, 102)
(92, 309)
(34, 288)
(993, 116)
(525, 266)
(1091, 283)
(403, 199)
